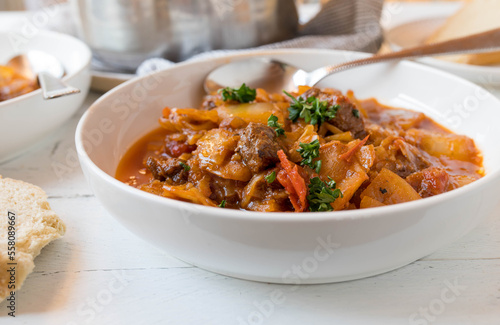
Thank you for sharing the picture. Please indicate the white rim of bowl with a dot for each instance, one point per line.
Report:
(281, 216)
(44, 33)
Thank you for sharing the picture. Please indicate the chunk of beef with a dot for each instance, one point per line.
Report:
(169, 169)
(258, 147)
(346, 119)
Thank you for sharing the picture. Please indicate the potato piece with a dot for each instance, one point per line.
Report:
(215, 152)
(252, 112)
(216, 146)
(348, 175)
(451, 145)
(368, 202)
(389, 188)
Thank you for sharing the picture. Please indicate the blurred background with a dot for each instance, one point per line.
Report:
(130, 37)
(36, 4)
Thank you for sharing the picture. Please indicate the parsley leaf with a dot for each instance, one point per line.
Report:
(222, 204)
(355, 112)
(272, 121)
(321, 195)
(186, 167)
(243, 94)
(271, 177)
(308, 152)
(312, 110)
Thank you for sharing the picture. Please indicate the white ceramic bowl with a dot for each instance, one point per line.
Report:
(292, 247)
(26, 119)
(415, 33)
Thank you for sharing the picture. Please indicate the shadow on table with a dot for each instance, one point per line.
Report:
(50, 283)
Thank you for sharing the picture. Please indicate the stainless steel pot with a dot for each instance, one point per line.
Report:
(123, 33)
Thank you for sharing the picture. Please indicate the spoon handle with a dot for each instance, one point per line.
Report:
(483, 42)
(53, 87)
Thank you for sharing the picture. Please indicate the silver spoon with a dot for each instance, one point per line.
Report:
(276, 76)
(48, 70)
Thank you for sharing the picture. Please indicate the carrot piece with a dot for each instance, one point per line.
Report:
(287, 184)
(287, 164)
(347, 156)
(300, 186)
(291, 179)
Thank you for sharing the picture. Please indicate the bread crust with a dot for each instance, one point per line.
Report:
(36, 225)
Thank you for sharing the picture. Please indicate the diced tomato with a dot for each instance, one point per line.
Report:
(175, 148)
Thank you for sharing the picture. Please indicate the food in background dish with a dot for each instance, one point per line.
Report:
(313, 150)
(13, 84)
(28, 224)
(474, 17)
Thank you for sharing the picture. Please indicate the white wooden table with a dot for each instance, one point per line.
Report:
(99, 273)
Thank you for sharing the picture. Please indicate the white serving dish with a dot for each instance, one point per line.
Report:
(415, 33)
(269, 246)
(26, 119)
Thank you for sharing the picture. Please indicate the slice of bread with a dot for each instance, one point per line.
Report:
(36, 225)
(474, 17)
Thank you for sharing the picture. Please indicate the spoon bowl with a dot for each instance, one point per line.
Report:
(272, 75)
(276, 76)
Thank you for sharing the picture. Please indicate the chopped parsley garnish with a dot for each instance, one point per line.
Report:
(312, 110)
(271, 177)
(222, 204)
(322, 194)
(308, 152)
(243, 94)
(186, 167)
(355, 112)
(382, 190)
(272, 121)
